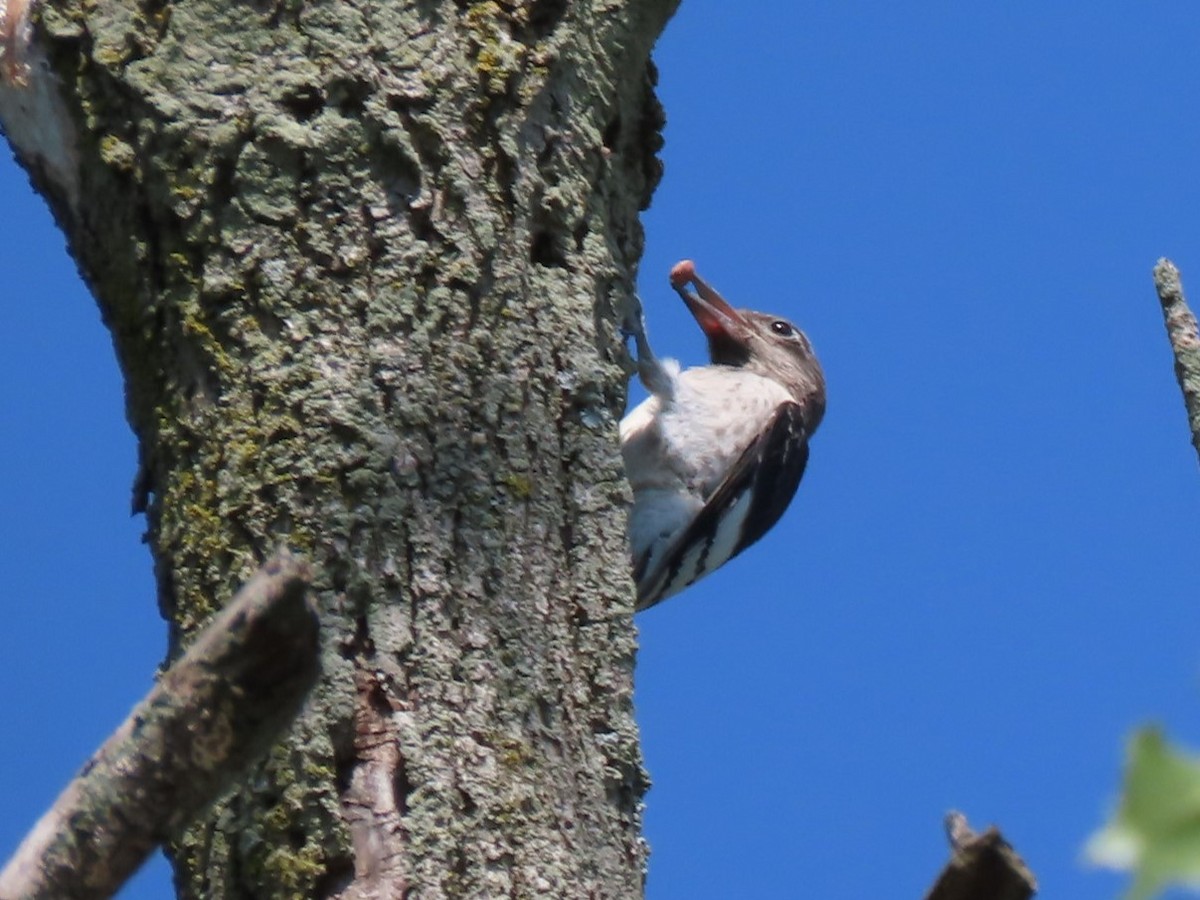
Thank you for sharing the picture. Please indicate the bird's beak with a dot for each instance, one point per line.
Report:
(720, 322)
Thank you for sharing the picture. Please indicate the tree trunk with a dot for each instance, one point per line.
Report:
(364, 265)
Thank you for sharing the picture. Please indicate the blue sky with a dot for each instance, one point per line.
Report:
(989, 575)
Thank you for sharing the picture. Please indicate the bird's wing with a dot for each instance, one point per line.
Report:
(750, 499)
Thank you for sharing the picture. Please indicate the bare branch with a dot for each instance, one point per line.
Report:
(212, 713)
(1185, 341)
(982, 867)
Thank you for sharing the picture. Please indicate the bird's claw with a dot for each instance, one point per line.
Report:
(650, 369)
(634, 327)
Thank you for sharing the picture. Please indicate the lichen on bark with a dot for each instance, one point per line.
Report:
(364, 265)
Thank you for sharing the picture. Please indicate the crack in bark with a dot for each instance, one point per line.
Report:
(364, 298)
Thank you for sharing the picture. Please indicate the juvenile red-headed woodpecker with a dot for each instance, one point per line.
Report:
(714, 455)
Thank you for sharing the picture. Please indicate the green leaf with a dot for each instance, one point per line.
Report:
(1156, 831)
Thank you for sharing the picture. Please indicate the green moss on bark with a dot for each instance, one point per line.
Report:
(364, 269)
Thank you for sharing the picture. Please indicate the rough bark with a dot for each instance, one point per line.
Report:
(364, 266)
(1184, 336)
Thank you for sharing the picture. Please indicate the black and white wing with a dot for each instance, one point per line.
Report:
(750, 499)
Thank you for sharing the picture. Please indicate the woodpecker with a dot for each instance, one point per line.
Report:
(714, 455)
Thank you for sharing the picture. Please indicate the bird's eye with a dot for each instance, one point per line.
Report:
(783, 329)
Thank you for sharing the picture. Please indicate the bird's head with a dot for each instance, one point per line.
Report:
(762, 343)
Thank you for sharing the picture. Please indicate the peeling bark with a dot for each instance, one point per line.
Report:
(364, 266)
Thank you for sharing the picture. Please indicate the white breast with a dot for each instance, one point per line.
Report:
(678, 448)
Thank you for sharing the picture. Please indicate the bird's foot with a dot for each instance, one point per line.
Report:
(653, 374)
